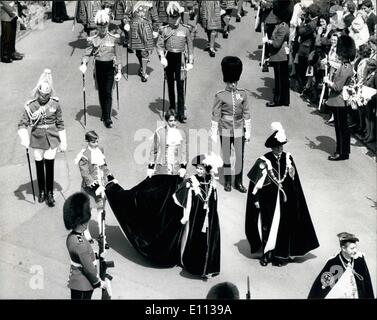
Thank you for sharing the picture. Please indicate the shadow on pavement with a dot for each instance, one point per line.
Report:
(27, 189)
(201, 43)
(79, 43)
(133, 69)
(188, 275)
(306, 257)
(243, 247)
(157, 107)
(374, 202)
(265, 92)
(94, 111)
(118, 242)
(325, 144)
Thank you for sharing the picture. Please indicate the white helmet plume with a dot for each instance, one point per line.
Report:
(280, 135)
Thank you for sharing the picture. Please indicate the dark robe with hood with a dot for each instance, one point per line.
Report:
(286, 226)
(149, 217)
(200, 248)
(331, 284)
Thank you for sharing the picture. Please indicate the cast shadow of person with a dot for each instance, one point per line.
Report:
(132, 69)
(26, 189)
(118, 242)
(80, 43)
(93, 111)
(324, 143)
(202, 43)
(264, 92)
(159, 106)
(255, 55)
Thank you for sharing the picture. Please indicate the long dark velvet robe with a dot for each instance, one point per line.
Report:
(296, 235)
(200, 251)
(149, 217)
(320, 289)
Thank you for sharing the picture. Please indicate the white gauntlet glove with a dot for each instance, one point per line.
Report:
(63, 140)
(126, 27)
(214, 129)
(247, 130)
(24, 136)
(189, 66)
(150, 173)
(164, 62)
(83, 68)
(100, 191)
(182, 172)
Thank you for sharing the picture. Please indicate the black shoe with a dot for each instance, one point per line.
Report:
(264, 261)
(57, 20)
(238, 19)
(265, 68)
(6, 60)
(50, 199)
(338, 157)
(108, 124)
(42, 196)
(276, 262)
(144, 78)
(17, 57)
(130, 50)
(228, 188)
(182, 119)
(225, 34)
(240, 188)
(212, 53)
(272, 104)
(67, 18)
(260, 46)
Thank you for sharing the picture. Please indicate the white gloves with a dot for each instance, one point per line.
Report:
(222, 12)
(155, 34)
(150, 173)
(63, 140)
(83, 68)
(182, 172)
(24, 136)
(118, 76)
(126, 27)
(189, 66)
(265, 39)
(214, 129)
(164, 62)
(100, 191)
(247, 130)
(115, 181)
(257, 205)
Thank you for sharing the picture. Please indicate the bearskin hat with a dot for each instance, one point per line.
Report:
(283, 9)
(224, 290)
(346, 48)
(278, 137)
(76, 210)
(231, 68)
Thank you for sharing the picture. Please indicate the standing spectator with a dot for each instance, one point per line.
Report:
(200, 244)
(371, 21)
(8, 17)
(231, 117)
(349, 9)
(44, 115)
(142, 22)
(83, 275)
(344, 276)
(171, 47)
(277, 216)
(346, 52)
(358, 30)
(59, 12)
(279, 50)
(104, 47)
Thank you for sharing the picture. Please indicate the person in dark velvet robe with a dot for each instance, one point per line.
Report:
(277, 216)
(344, 276)
(200, 244)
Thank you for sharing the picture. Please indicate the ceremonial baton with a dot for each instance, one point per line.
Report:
(263, 48)
(117, 95)
(31, 176)
(83, 92)
(127, 63)
(248, 296)
(163, 96)
(323, 89)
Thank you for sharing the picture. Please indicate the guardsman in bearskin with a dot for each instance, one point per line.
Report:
(94, 172)
(143, 23)
(278, 45)
(44, 115)
(171, 47)
(104, 47)
(231, 117)
(83, 276)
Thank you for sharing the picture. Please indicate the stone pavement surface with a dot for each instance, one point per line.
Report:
(341, 196)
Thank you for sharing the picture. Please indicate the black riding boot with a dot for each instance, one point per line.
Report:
(39, 165)
(50, 182)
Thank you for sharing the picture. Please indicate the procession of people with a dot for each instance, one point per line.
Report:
(170, 218)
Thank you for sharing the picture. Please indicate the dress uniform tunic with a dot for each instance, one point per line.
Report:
(107, 53)
(174, 40)
(46, 120)
(231, 110)
(83, 273)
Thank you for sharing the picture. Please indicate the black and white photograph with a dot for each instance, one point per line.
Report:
(188, 150)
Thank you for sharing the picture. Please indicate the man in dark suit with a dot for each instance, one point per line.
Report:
(367, 6)
(278, 47)
(8, 17)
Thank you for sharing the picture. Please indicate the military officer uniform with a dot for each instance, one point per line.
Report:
(107, 61)
(83, 277)
(172, 42)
